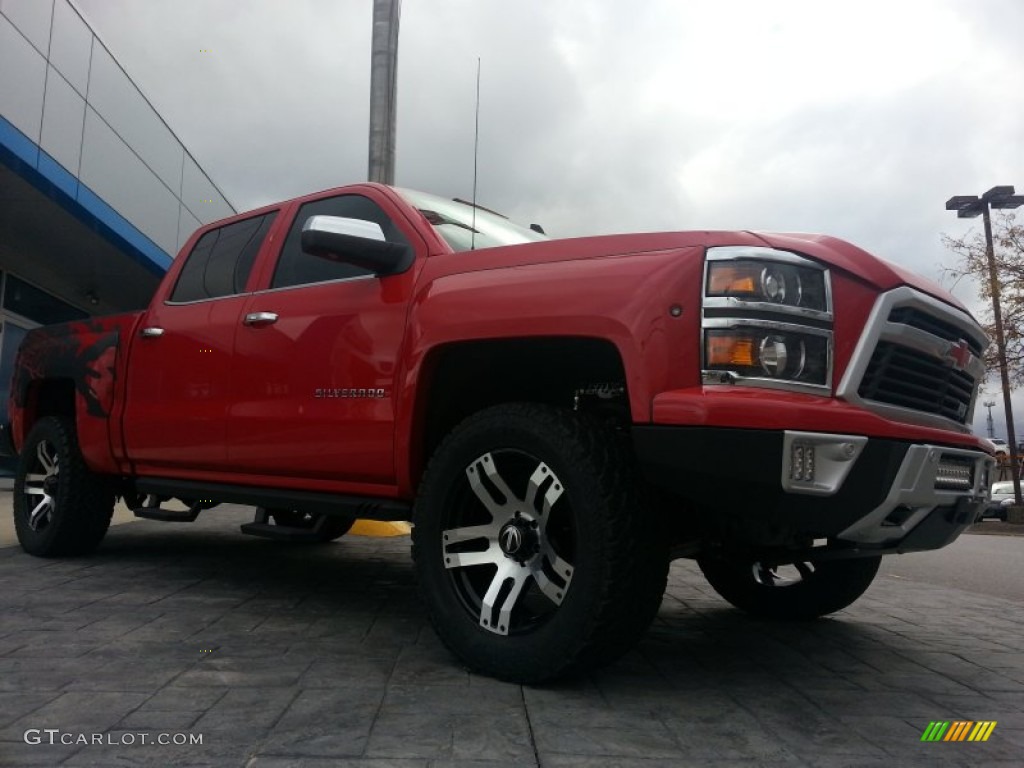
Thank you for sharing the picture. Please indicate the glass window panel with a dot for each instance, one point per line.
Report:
(250, 249)
(37, 305)
(221, 261)
(21, 96)
(295, 267)
(187, 224)
(71, 45)
(190, 282)
(63, 117)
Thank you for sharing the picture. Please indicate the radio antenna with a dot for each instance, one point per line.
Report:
(476, 149)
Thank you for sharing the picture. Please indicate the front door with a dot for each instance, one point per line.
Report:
(315, 364)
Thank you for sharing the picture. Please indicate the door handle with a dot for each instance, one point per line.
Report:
(152, 333)
(260, 318)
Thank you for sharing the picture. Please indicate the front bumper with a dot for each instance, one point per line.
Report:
(871, 493)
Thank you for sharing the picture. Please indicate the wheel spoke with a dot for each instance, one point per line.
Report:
(34, 478)
(507, 570)
(554, 489)
(32, 490)
(553, 589)
(554, 592)
(805, 569)
(48, 462)
(469, 533)
(485, 466)
(491, 556)
(41, 510)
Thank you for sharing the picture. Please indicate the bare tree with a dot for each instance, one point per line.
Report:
(1008, 242)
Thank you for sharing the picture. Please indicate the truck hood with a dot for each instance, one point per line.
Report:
(837, 253)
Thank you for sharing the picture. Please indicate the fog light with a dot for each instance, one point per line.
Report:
(817, 463)
(802, 463)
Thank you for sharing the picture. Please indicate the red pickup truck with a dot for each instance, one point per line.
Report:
(558, 418)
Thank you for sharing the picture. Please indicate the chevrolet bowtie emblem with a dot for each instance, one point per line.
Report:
(960, 353)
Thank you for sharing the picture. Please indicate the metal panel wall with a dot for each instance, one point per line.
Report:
(115, 173)
(63, 115)
(32, 18)
(21, 86)
(88, 116)
(70, 46)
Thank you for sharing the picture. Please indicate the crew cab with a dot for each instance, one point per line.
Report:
(557, 417)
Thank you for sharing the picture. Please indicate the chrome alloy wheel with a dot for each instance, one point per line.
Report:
(509, 556)
(41, 485)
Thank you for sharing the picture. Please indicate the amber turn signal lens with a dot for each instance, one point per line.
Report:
(734, 279)
(730, 350)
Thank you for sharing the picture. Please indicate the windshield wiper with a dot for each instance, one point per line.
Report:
(437, 219)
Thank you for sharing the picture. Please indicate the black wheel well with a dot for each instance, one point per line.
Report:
(50, 397)
(463, 378)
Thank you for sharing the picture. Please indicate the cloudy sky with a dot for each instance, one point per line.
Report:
(856, 119)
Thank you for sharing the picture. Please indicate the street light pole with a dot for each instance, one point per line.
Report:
(991, 428)
(967, 207)
(990, 404)
(383, 90)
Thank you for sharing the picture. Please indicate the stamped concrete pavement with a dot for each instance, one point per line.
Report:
(278, 656)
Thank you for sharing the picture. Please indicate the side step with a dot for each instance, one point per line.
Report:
(267, 530)
(151, 510)
(168, 515)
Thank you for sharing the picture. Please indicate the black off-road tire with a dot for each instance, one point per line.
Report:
(330, 529)
(82, 502)
(619, 558)
(825, 587)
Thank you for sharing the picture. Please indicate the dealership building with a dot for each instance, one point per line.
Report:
(97, 194)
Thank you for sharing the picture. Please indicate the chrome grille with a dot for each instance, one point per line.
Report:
(915, 318)
(918, 360)
(906, 378)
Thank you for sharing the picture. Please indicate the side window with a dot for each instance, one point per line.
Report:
(295, 267)
(221, 261)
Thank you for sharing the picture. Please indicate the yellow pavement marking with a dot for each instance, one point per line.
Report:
(379, 529)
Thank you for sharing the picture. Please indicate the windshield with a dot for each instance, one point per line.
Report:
(454, 221)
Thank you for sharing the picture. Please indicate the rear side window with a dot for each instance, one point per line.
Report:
(295, 267)
(221, 261)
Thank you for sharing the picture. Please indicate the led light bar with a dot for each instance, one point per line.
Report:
(952, 475)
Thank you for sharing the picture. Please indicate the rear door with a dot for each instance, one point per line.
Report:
(179, 368)
(315, 360)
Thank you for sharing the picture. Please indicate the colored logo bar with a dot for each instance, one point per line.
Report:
(958, 730)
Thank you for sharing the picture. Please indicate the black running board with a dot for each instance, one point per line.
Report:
(358, 507)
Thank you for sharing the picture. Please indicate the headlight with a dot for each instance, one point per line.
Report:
(774, 283)
(768, 353)
(766, 319)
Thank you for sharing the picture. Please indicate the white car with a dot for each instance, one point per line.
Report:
(1000, 447)
(1002, 497)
